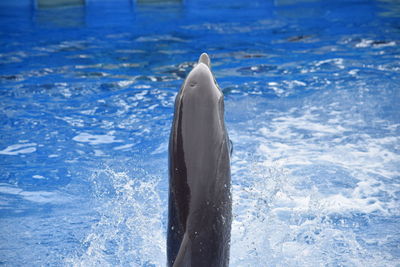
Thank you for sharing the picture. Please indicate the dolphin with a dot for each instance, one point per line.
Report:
(200, 205)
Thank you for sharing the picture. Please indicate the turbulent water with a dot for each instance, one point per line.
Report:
(312, 103)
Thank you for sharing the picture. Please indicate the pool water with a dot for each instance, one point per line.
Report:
(312, 103)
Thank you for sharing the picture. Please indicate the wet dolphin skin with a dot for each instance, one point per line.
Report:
(200, 206)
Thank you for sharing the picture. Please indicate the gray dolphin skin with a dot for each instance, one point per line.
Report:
(200, 206)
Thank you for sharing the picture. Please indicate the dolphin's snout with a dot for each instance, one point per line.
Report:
(200, 85)
(204, 58)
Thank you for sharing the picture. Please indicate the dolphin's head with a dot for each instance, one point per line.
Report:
(199, 110)
(200, 85)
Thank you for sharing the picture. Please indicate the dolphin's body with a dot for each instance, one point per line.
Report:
(200, 206)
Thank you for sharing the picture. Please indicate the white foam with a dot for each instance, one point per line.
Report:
(123, 147)
(162, 148)
(307, 173)
(41, 197)
(157, 38)
(19, 149)
(94, 139)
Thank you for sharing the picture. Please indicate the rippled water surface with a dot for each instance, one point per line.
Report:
(312, 93)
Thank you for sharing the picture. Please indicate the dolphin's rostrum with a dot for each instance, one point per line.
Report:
(200, 206)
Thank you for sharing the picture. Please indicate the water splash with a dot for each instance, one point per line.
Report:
(129, 231)
(276, 224)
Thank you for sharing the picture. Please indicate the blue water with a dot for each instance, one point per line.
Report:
(312, 102)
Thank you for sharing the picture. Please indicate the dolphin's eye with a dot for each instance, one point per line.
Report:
(192, 84)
